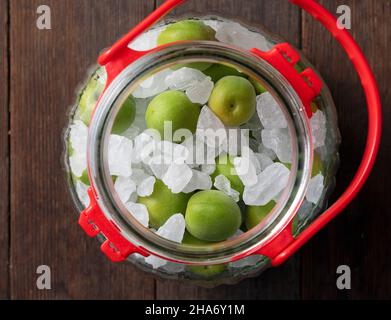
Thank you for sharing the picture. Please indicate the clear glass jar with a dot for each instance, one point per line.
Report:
(212, 264)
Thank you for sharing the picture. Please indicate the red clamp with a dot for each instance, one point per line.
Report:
(93, 222)
(284, 58)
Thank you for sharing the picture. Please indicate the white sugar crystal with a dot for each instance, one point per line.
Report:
(124, 186)
(270, 113)
(139, 212)
(173, 230)
(78, 163)
(247, 167)
(78, 138)
(237, 139)
(184, 79)
(318, 129)
(235, 34)
(158, 167)
(315, 189)
(270, 183)
(211, 129)
(146, 187)
(152, 86)
(208, 168)
(199, 181)
(246, 262)
(263, 160)
(172, 152)
(144, 147)
(177, 177)
(174, 268)
(81, 190)
(268, 152)
(223, 184)
(120, 155)
(200, 92)
(305, 210)
(147, 40)
(196, 148)
(280, 142)
(139, 175)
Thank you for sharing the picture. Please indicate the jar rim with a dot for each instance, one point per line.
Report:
(159, 59)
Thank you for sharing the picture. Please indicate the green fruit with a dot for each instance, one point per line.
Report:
(295, 225)
(218, 71)
(255, 214)
(259, 88)
(125, 116)
(314, 107)
(173, 106)
(188, 30)
(190, 240)
(233, 100)
(85, 178)
(212, 216)
(89, 98)
(162, 204)
(225, 166)
(317, 165)
(207, 271)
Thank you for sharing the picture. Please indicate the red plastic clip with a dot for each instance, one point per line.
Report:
(93, 222)
(283, 58)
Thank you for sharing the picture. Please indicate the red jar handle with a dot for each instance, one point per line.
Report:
(282, 246)
(374, 125)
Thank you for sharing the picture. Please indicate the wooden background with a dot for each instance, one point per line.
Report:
(39, 71)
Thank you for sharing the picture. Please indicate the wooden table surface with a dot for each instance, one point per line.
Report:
(39, 71)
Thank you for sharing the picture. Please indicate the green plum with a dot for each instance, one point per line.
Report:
(212, 216)
(162, 204)
(224, 166)
(85, 178)
(218, 71)
(188, 30)
(207, 271)
(173, 106)
(191, 240)
(125, 116)
(259, 88)
(89, 98)
(317, 165)
(314, 107)
(233, 100)
(255, 214)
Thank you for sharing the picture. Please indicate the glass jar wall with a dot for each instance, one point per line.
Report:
(274, 140)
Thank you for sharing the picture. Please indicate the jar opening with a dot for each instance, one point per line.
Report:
(150, 73)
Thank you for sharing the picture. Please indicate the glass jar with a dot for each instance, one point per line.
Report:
(313, 141)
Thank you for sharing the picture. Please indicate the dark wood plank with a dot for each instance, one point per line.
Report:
(46, 68)
(360, 237)
(283, 283)
(4, 152)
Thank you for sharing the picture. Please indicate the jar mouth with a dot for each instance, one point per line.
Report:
(188, 52)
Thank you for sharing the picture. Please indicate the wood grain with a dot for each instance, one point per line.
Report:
(360, 237)
(46, 68)
(4, 152)
(283, 283)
